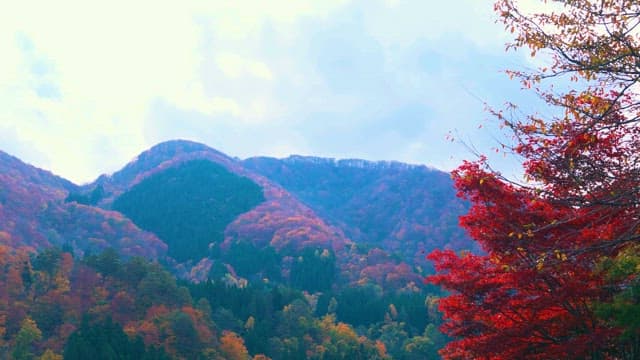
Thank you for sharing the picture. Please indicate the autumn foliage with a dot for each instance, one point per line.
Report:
(531, 294)
(560, 265)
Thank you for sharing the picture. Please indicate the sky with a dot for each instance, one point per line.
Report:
(86, 87)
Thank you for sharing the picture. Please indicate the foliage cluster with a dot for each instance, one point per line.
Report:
(54, 305)
(560, 272)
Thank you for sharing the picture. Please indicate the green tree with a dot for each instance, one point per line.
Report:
(25, 339)
(106, 341)
(187, 342)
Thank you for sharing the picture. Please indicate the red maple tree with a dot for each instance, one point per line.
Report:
(549, 244)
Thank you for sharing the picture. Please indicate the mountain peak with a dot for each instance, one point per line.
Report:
(159, 154)
(179, 144)
(172, 148)
(11, 165)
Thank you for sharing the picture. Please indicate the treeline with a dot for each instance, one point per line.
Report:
(54, 305)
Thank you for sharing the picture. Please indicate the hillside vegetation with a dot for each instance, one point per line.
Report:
(189, 206)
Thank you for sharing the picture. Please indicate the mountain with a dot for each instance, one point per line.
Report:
(296, 257)
(404, 209)
(33, 214)
(211, 215)
(204, 205)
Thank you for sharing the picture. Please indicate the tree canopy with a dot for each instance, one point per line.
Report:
(559, 273)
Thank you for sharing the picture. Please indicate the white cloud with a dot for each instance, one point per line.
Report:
(235, 66)
(276, 76)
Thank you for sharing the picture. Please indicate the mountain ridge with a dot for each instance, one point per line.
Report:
(345, 162)
(11, 164)
(378, 218)
(33, 213)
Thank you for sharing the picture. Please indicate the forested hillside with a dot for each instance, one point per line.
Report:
(187, 253)
(54, 305)
(189, 206)
(33, 213)
(401, 208)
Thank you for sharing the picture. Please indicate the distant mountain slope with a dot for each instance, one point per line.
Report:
(12, 167)
(33, 213)
(407, 209)
(352, 221)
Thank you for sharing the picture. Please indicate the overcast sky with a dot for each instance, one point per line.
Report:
(84, 88)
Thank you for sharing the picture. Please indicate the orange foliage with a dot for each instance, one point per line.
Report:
(233, 347)
(201, 323)
(382, 350)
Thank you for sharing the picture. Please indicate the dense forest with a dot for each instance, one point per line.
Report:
(103, 306)
(189, 206)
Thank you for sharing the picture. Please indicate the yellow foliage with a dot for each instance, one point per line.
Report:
(345, 330)
(393, 312)
(250, 323)
(62, 282)
(50, 355)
